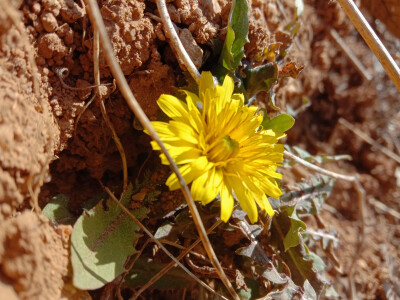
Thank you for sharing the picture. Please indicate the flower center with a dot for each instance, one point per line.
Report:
(224, 149)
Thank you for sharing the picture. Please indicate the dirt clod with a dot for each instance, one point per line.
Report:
(32, 256)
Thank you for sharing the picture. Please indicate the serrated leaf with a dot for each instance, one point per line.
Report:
(253, 290)
(289, 292)
(318, 264)
(255, 252)
(330, 293)
(328, 238)
(236, 35)
(309, 292)
(318, 158)
(292, 237)
(101, 242)
(280, 123)
(300, 267)
(270, 273)
(92, 202)
(260, 78)
(309, 198)
(144, 269)
(57, 210)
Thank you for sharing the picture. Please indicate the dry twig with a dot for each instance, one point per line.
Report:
(96, 52)
(171, 264)
(350, 55)
(384, 207)
(361, 204)
(175, 41)
(372, 40)
(369, 140)
(142, 227)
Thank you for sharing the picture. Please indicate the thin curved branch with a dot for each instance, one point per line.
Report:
(171, 264)
(142, 227)
(117, 141)
(372, 40)
(319, 169)
(175, 41)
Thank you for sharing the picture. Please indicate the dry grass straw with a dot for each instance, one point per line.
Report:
(372, 40)
(142, 227)
(96, 51)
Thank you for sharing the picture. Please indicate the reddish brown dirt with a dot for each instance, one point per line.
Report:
(387, 11)
(38, 130)
(28, 134)
(33, 257)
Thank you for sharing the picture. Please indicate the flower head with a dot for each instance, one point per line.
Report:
(221, 148)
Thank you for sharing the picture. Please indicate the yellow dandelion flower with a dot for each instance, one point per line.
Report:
(221, 148)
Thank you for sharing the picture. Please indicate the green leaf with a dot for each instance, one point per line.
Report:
(295, 258)
(236, 35)
(289, 292)
(292, 237)
(260, 78)
(281, 123)
(318, 264)
(330, 293)
(309, 197)
(317, 158)
(144, 269)
(253, 290)
(101, 242)
(57, 210)
(269, 272)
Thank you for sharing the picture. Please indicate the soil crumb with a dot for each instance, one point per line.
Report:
(33, 257)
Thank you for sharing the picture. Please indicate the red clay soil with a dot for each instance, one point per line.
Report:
(43, 147)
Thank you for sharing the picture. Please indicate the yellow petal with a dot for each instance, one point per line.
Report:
(206, 187)
(189, 172)
(194, 114)
(247, 202)
(164, 131)
(270, 187)
(227, 203)
(173, 107)
(191, 100)
(187, 155)
(206, 82)
(183, 131)
(240, 99)
(223, 94)
(267, 206)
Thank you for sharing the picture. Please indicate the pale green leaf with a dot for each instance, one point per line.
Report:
(280, 123)
(101, 242)
(292, 237)
(57, 210)
(300, 266)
